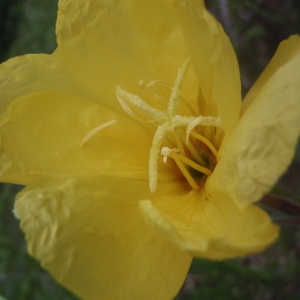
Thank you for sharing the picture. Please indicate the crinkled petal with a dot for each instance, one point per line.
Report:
(263, 144)
(123, 42)
(287, 51)
(42, 133)
(29, 74)
(34, 73)
(214, 60)
(26, 75)
(90, 234)
(210, 227)
(108, 43)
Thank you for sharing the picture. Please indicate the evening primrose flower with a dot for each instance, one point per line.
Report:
(136, 150)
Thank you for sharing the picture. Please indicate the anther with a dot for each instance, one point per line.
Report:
(203, 121)
(95, 130)
(165, 151)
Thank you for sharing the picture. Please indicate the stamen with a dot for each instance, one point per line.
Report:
(136, 101)
(206, 142)
(178, 158)
(170, 120)
(162, 82)
(195, 154)
(190, 163)
(165, 151)
(175, 95)
(145, 87)
(151, 83)
(186, 174)
(178, 142)
(204, 121)
(95, 130)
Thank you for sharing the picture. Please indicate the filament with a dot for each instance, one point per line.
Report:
(206, 142)
(186, 174)
(190, 163)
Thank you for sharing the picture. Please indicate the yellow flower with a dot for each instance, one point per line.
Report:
(136, 150)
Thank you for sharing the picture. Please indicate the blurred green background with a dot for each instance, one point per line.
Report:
(256, 28)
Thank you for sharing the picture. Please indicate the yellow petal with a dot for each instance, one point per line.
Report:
(121, 42)
(263, 144)
(89, 233)
(214, 61)
(25, 75)
(114, 31)
(108, 43)
(210, 227)
(41, 134)
(29, 74)
(286, 52)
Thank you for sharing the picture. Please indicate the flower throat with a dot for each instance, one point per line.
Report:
(194, 154)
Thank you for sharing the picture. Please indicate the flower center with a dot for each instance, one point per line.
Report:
(194, 154)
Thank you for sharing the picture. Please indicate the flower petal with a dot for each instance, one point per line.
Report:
(214, 61)
(108, 43)
(287, 51)
(264, 142)
(25, 75)
(209, 227)
(89, 233)
(123, 42)
(41, 134)
(118, 33)
(29, 74)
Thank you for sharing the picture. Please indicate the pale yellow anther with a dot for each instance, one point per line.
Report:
(203, 121)
(95, 130)
(159, 81)
(148, 86)
(165, 152)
